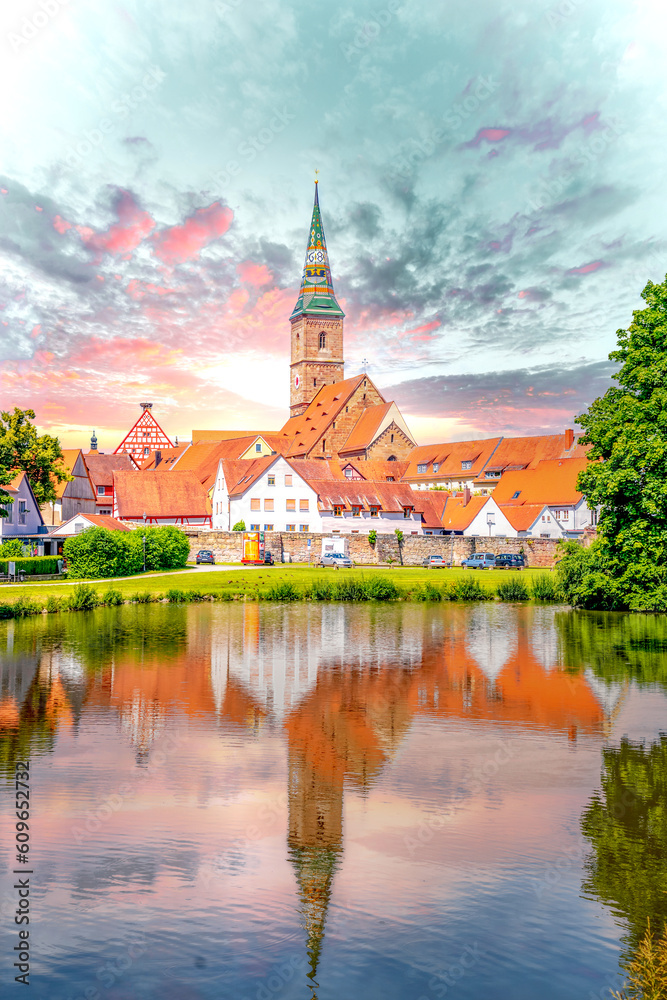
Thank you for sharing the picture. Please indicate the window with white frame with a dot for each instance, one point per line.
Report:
(22, 511)
(100, 491)
(466, 465)
(436, 466)
(422, 467)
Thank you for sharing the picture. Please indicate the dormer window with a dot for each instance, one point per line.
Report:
(356, 511)
(436, 466)
(407, 511)
(338, 511)
(515, 496)
(466, 465)
(323, 341)
(423, 467)
(374, 511)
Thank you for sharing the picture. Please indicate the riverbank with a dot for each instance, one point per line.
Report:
(281, 583)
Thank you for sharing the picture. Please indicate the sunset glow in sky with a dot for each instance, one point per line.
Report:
(491, 182)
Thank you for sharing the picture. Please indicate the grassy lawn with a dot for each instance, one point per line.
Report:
(257, 580)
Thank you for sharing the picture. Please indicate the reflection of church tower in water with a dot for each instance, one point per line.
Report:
(315, 842)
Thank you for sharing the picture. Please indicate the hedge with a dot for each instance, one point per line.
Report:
(32, 566)
(98, 552)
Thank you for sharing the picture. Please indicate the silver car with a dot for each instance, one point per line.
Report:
(335, 559)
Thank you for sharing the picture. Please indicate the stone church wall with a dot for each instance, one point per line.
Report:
(227, 547)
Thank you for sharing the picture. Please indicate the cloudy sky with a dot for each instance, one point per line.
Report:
(491, 181)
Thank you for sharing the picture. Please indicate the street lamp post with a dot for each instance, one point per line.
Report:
(144, 541)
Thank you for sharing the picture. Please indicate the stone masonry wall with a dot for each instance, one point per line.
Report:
(227, 547)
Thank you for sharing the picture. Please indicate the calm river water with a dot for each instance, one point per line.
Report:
(271, 802)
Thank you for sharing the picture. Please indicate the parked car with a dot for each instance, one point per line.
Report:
(509, 560)
(434, 562)
(480, 560)
(205, 556)
(268, 558)
(335, 559)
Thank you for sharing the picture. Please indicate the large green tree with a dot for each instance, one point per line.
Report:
(627, 477)
(22, 449)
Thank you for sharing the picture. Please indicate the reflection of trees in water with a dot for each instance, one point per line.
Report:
(626, 823)
(615, 646)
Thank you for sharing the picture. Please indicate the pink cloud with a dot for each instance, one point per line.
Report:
(124, 236)
(178, 243)
(61, 224)
(587, 268)
(490, 135)
(254, 274)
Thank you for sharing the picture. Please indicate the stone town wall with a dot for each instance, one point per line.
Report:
(227, 547)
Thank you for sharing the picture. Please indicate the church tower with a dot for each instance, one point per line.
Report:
(317, 324)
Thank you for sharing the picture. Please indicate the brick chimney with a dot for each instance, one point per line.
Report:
(569, 438)
(158, 458)
(466, 496)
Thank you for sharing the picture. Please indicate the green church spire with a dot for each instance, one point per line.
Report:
(316, 295)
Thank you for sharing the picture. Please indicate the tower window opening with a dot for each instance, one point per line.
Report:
(392, 438)
(323, 341)
(314, 381)
(324, 444)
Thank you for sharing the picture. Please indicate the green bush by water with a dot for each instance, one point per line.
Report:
(284, 591)
(113, 598)
(545, 588)
(427, 592)
(468, 588)
(97, 552)
(82, 598)
(513, 589)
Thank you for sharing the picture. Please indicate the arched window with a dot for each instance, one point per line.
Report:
(392, 458)
(323, 340)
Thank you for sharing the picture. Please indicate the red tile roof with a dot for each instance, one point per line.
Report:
(241, 474)
(433, 504)
(168, 456)
(449, 458)
(305, 430)
(365, 430)
(96, 520)
(518, 453)
(551, 482)
(101, 468)
(180, 494)
(459, 515)
(376, 469)
(206, 436)
(524, 517)
(316, 468)
(390, 497)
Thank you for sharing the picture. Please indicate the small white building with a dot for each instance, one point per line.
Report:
(24, 519)
(533, 521)
(279, 494)
(476, 515)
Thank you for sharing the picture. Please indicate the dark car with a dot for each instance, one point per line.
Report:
(509, 560)
(205, 556)
(268, 558)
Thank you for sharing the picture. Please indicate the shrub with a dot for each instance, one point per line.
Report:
(372, 537)
(98, 553)
(175, 596)
(468, 589)
(513, 589)
(647, 970)
(379, 588)
(166, 547)
(32, 565)
(320, 590)
(348, 590)
(284, 591)
(143, 597)
(112, 598)
(11, 548)
(239, 526)
(83, 598)
(54, 604)
(544, 588)
(26, 606)
(427, 592)
(586, 580)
